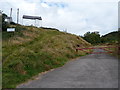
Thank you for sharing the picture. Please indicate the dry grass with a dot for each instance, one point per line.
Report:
(36, 50)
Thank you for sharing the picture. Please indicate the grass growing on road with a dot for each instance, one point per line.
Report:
(31, 50)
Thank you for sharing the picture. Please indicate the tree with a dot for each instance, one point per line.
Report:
(4, 23)
(103, 40)
(92, 37)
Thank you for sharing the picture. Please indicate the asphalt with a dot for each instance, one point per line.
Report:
(91, 71)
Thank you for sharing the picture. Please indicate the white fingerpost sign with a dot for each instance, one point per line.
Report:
(10, 29)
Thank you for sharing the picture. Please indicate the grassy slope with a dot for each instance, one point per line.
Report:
(111, 37)
(31, 50)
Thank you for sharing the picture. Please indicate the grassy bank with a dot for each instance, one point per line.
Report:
(31, 50)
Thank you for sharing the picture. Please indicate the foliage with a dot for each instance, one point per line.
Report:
(4, 23)
(12, 23)
(111, 37)
(92, 37)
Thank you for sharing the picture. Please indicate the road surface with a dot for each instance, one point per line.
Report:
(91, 71)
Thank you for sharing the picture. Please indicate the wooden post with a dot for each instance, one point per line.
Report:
(76, 50)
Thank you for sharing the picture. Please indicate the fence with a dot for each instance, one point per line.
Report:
(106, 49)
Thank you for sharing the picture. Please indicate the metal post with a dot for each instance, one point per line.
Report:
(17, 15)
(11, 12)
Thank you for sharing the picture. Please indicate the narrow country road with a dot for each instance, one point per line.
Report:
(91, 71)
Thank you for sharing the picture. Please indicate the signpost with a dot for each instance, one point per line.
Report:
(10, 29)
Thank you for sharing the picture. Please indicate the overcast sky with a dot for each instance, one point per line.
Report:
(75, 16)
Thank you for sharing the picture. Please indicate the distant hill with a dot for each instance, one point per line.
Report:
(31, 50)
(111, 37)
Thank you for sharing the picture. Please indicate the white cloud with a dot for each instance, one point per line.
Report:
(44, 5)
(77, 16)
(77, 1)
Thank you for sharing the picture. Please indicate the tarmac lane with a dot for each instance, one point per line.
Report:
(91, 71)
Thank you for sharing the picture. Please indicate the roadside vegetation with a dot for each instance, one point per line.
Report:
(111, 40)
(30, 50)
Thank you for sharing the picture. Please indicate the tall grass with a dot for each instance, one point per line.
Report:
(31, 50)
